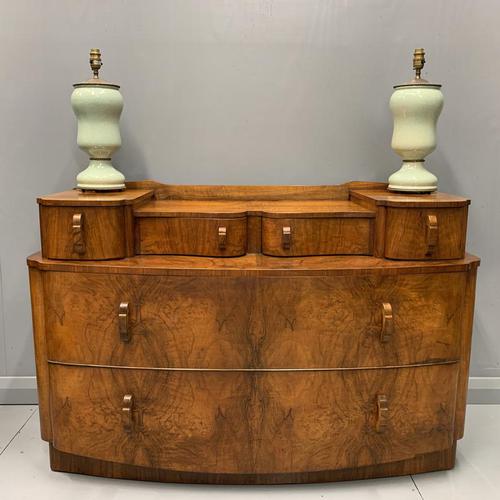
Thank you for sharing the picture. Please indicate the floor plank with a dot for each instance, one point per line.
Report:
(12, 418)
(25, 474)
(477, 469)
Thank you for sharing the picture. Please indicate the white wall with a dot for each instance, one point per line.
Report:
(245, 91)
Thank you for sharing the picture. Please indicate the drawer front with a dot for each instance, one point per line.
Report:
(413, 233)
(260, 422)
(253, 322)
(191, 236)
(316, 236)
(82, 233)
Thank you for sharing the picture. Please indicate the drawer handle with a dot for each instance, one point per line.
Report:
(287, 237)
(382, 413)
(127, 412)
(222, 237)
(432, 232)
(123, 323)
(78, 239)
(387, 330)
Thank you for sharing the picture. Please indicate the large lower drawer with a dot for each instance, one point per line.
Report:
(258, 422)
(256, 322)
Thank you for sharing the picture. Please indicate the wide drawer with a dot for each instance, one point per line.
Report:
(253, 322)
(211, 237)
(317, 236)
(82, 233)
(425, 233)
(259, 422)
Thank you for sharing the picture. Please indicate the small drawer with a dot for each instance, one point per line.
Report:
(252, 423)
(210, 237)
(317, 236)
(425, 233)
(82, 233)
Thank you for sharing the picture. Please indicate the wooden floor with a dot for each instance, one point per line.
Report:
(25, 473)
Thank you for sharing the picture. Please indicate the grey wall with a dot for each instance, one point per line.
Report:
(245, 91)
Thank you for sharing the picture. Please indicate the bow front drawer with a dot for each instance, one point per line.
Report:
(431, 233)
(260, 422)
(317, 236)
(210, 237)
(249, 322)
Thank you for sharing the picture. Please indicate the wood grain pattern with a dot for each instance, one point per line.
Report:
(253, 423)
(102, 233)
(246, 322)
(66, 462)
(190, 236)
(332, 236)
(407, 233)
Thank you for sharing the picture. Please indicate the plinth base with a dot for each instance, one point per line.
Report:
(65, 462)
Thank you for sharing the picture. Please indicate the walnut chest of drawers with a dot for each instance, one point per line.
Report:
(234, 334)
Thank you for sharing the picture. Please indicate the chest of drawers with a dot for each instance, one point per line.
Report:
(257, 334)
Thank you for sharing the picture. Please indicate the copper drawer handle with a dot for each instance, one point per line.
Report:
(123, 322)
(127, 412)
(387, 330)
(432, 233)
(222, 231)
(382, 413)
(78, 237)
(287, 237)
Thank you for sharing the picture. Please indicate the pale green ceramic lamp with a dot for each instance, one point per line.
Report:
(98, 105)
(415, 106)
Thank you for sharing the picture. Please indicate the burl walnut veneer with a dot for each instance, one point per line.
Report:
(236, 334)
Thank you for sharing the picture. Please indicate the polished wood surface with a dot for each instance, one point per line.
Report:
(265, 422)
(254, 264)
(78, 198)
(246, 322)
(208, 361)
(40, 344)
(242, 208)
(383, 197)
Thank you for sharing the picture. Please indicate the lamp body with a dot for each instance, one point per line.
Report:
(416, 109)
(98, 109)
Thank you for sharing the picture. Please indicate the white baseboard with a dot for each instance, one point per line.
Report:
(22, 390)
(18, 391)
(484, 390)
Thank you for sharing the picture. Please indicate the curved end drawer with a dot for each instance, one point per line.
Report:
(425, 233)
(317, 236)
(82, 233)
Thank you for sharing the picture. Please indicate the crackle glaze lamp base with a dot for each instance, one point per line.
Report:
(415, 106)
(97, 105)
